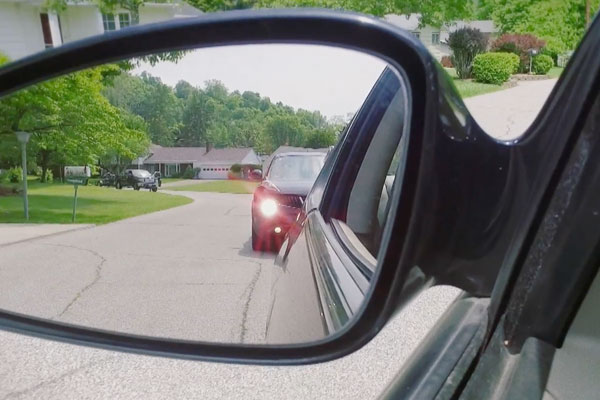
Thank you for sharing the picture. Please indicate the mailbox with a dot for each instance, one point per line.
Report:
(77, 175)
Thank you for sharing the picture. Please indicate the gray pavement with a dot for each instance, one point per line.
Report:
(186, 273)
(507, 114)
(12, 233)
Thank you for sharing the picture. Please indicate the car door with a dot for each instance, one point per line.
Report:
(339, 230)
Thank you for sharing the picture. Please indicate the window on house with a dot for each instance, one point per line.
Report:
(435, 38)
(108, 20)
(416, 34)
(124, 20)
(46, 30)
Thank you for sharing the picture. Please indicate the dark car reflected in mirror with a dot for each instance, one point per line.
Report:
(256, 175)
(231, 140)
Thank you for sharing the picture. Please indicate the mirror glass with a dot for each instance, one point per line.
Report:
(153, 196)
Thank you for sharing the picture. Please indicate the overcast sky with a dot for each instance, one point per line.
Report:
(331, 80)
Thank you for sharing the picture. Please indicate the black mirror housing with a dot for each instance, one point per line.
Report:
(440, 129)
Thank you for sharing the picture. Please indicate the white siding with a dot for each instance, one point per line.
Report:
(20, 30)
(151, 13)
(79, 22)
(213, 171)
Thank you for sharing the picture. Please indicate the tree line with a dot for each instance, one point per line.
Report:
(186, 115)
(106, 116)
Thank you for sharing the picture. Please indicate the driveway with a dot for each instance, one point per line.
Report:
(508, 113)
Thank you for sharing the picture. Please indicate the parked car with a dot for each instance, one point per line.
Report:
(137, 179)
(415, 194)
(108, 179)
(277, 201)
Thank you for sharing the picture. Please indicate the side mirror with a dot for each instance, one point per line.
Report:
(256, 175)
(230, 317)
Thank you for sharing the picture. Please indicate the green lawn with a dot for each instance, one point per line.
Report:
(53, 203)
(238, 187)
(469, 88)
(555, 72)
(169, 180)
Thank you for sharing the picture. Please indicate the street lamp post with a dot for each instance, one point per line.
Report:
(532, 52)
(23, 138)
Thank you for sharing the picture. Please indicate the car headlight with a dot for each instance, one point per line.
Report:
(268, 207)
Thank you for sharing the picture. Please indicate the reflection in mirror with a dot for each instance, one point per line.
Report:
(153, 194)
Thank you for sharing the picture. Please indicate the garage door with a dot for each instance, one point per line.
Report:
(214, 172)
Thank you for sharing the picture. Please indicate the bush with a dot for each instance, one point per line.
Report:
(188, 173)
(466, 43)
(447, 62)
(15, 175)
(494, 68)
(49, 176)
(236, 168)
(542, 64)
(518, 44)
(3, 59)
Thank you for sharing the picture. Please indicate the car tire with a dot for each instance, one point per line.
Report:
(154, 189)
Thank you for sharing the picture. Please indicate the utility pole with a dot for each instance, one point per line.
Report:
(587, 14)
(23, 138)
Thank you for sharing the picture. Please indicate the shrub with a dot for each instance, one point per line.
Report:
(542, 64)
(3, 59)
(188, 173)
(49, 176)
(519, 44)
(466, 43)
(447, 62)
(15, 175)
(494, 68)
(236, 168)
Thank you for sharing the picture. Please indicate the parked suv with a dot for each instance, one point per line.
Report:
(137, 179)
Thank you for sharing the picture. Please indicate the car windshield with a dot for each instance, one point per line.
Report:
(297, 167)
(140, 173)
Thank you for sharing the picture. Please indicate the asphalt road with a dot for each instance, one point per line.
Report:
(186, 273)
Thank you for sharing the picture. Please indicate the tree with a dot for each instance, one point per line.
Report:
(466, 43)
(321, 138)
(432, 12)
(70, 120)
(561, 23)
(152, 100)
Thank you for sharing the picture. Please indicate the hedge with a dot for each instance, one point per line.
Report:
(542, 64)
(494, 68)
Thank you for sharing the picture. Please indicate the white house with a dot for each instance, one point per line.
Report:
(27, 27)
(435, 38)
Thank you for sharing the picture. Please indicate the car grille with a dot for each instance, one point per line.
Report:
(291, 200)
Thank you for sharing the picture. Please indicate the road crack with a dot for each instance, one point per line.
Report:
(25, 392)
(248, 293)
(98, 273)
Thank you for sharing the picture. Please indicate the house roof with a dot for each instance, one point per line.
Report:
(175, 155)
(410, 22)
(485, 26)
(166, 155)
(227, 155)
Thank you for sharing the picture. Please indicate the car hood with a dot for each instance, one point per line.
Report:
(292, 187)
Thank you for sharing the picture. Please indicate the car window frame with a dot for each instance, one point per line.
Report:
(350, 147)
